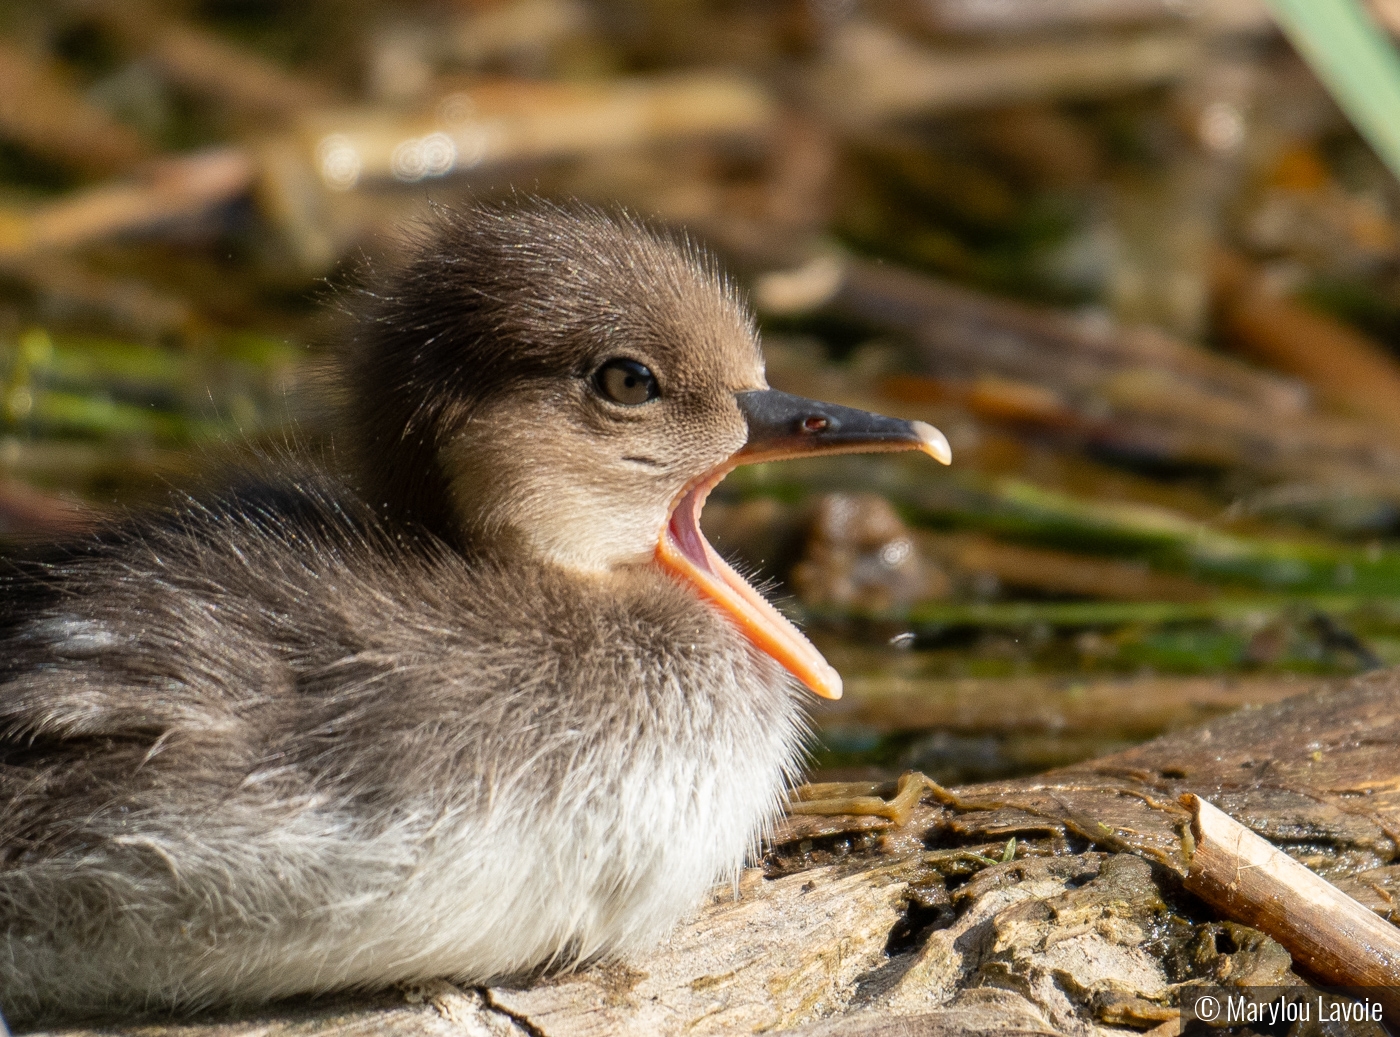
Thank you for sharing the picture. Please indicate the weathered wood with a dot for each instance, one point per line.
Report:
(1329, 934)
(785, 952)
(1314, 774)
(1005, 1016)
(434, 1009)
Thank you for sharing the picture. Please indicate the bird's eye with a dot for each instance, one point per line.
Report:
(626, 382)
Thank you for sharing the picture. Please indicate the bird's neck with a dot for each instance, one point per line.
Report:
(409, 492)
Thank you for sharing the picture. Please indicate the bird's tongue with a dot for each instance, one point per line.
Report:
(684, 551)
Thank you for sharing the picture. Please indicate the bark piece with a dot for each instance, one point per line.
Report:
(990, 1011)
(786, 952)
(1329, 935)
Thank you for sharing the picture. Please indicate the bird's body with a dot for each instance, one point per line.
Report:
(425, 780)
(492, 704)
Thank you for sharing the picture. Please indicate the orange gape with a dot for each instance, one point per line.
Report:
(683, 550)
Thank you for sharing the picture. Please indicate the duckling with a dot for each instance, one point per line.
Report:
(490, 705)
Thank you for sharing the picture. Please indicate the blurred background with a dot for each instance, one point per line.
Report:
(1131, 255)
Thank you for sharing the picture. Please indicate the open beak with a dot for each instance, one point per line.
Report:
(780, 426)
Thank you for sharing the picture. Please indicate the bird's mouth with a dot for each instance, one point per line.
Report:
(780, 426)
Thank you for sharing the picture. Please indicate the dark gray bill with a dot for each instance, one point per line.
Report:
(783, 425)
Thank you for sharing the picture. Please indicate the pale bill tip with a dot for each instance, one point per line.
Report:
(933, 442)
(831, 684)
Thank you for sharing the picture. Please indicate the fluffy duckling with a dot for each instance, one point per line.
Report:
(495, 706)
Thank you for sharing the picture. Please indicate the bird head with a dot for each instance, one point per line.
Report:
(554, 384)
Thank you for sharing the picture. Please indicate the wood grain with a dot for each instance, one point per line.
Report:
(1328, 933)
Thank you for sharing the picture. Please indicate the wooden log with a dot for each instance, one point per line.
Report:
(785, 952)
(1330, 935)
(44, 114)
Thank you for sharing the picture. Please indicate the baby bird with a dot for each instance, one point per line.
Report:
(492, 704)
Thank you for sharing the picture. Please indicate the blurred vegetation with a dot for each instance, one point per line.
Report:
(1128, 254)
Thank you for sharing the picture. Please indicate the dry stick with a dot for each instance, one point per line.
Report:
(1046, 367)
(517, 121)
(979, 18)
(1344, 365)
(205, 63)
(46, 115)
(877, 75)
(1064, 572)
(1329, 934)
(862, 798)
(172, 191)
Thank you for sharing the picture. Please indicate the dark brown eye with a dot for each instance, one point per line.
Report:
(626, 382)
